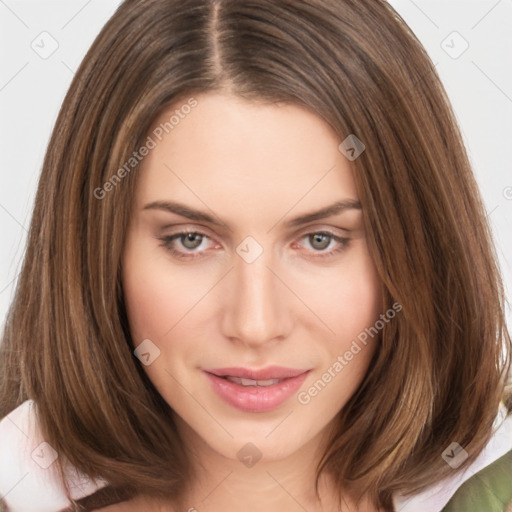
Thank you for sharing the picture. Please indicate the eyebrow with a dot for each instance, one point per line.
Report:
(201, 216)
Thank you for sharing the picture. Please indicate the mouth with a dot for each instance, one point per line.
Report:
(251, 382)
(264, 374)
(256, 390)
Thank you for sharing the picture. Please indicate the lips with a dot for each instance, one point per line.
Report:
(255, 390)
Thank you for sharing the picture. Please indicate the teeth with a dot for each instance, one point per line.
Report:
(251, 382)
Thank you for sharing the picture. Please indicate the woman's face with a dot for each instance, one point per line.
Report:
(260, 282)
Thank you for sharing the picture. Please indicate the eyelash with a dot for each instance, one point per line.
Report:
(168, 242)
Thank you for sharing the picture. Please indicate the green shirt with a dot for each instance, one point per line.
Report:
(489, 490)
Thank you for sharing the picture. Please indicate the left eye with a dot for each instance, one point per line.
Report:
(191, 242)
(321, 240)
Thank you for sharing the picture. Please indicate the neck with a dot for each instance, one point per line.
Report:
(224, 483)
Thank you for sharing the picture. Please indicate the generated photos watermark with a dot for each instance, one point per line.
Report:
(137, 156)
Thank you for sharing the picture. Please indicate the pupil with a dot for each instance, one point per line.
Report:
(323, 241)
(192, 240)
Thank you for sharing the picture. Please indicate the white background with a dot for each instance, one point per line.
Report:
(479, 83)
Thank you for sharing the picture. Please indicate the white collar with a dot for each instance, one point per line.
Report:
(29, 481)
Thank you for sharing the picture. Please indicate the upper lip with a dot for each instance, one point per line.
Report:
(270, 372)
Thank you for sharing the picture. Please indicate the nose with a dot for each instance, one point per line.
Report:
(256, 305)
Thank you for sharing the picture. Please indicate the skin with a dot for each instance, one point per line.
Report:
(255, 167)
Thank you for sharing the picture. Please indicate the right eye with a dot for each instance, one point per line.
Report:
(189, 243)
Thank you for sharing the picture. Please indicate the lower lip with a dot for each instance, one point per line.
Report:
(256, 398)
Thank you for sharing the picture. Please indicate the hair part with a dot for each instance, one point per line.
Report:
(441, 366)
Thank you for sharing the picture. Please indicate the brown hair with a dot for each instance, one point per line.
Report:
(440, 370)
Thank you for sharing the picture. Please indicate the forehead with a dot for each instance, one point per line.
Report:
(233, 154)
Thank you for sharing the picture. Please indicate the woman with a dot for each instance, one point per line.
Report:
(258, 274)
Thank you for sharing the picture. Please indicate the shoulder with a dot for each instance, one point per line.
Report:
(487, 478)
(29, 478)
(490, 489)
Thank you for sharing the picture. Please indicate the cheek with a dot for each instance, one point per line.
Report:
(358, 303)
(352, 306)
(155, 298)
(347, 299)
